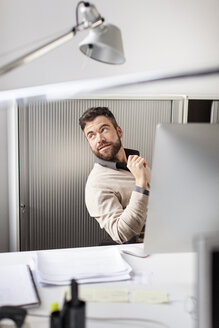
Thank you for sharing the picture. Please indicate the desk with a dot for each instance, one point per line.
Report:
(172, 273)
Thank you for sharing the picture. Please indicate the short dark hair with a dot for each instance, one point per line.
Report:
(91, 113)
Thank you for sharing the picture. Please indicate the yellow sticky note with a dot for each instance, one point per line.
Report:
(111, 295)
(104, 295)
(121, 295)
(86, 294)
(151, 297)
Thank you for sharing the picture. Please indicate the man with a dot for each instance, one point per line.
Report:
(117, 188)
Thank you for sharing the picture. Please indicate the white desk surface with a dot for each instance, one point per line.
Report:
(171, 273)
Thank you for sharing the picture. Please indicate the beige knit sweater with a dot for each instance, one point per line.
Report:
(111, 200)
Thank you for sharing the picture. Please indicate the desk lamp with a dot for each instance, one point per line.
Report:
(103, 43)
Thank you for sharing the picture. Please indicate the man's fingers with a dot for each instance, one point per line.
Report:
(136, 160)
(132, 158)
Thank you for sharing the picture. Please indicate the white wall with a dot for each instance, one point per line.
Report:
(157, 35)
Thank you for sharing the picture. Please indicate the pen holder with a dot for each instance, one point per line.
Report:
(56, 320)
(73, 316)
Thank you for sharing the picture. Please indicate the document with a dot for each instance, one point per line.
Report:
(84, 265)
(17, 286)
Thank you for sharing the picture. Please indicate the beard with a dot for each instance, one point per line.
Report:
(110, 153)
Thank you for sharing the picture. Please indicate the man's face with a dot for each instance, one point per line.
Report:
(103, 138)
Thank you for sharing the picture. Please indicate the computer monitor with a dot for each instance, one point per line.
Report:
(207, 247)
(184, 196)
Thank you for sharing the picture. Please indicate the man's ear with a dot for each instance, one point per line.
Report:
(119, 131)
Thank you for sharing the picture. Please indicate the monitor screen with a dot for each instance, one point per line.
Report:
(184, 196)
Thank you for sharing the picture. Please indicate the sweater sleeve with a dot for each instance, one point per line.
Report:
(121, 224)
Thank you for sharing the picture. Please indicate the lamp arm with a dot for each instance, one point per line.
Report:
(38, 52)
(42, 50)
(91, 19)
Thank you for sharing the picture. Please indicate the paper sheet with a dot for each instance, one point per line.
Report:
(16, 286)
(90, 265)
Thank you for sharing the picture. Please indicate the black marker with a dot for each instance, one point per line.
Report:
(74, 293)
(73, 313)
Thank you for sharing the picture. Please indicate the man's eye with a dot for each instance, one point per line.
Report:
(90, 136)
(104, 130)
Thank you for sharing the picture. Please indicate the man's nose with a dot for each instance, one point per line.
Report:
(100, 137)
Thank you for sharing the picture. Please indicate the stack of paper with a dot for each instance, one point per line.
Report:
(85, 265)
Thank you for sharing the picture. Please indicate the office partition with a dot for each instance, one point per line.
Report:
(55, 160)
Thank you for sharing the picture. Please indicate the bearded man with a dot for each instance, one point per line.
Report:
(117, 188)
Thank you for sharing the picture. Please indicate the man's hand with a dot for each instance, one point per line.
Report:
(137, 166)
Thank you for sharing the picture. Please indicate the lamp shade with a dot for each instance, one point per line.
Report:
(104, 43)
